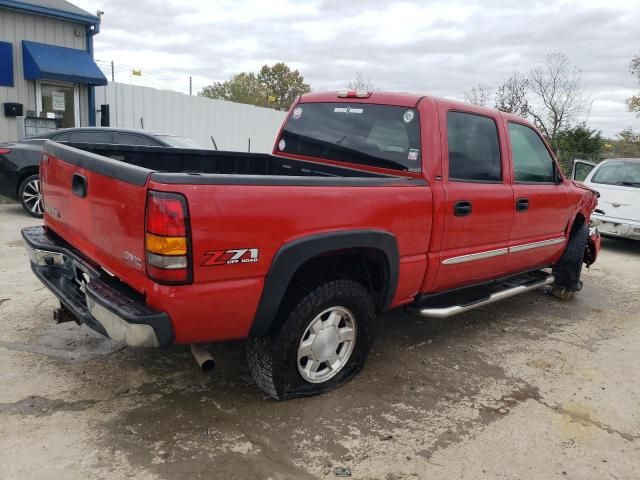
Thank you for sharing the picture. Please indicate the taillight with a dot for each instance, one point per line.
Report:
(353, 94)
(167, 242)
(4, 151)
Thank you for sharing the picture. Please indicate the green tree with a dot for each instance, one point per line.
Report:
(625, 145)
(633, 103)
(579, 141)
(241, 88)
(276, 87)
(282, 85)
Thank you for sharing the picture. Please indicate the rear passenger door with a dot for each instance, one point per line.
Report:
(541, 200)
(479, 199)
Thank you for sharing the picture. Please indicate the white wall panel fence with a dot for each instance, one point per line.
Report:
(199, 118)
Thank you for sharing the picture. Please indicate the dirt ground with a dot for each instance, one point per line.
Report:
(530, 388)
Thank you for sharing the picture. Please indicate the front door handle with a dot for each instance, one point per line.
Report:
(463, 208)
(522, 204)
(79, 185)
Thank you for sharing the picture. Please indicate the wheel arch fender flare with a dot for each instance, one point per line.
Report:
(291, 256)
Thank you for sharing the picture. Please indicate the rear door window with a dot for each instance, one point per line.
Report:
(376, 135)
(474, 148)
(532, 162)
(121, 138)
(91, 136)
(62, 137)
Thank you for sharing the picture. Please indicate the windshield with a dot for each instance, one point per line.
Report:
(376, 135)
(178, 142)
(625, 173)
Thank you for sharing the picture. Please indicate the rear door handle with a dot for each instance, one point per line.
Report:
(79, 185)
(463, 208)
(522, 204)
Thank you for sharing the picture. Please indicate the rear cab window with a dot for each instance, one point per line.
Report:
(368, 134)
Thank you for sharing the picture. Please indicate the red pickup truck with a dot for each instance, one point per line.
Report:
(369, 201)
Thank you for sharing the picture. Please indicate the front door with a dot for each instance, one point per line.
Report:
(59, 101)
(479, 200)
(542, 203)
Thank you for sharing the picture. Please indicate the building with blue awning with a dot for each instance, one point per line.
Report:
(47, 71)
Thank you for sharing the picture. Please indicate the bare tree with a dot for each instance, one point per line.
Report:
(361, 83)
(478, 95)
(511, 96)
(633, 103)
(556, 95)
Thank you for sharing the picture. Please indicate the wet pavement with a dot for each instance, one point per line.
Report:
(532, 387)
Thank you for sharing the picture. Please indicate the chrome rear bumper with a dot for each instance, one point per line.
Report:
(102, 304)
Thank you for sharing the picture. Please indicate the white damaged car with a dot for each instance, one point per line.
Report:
(618, 182)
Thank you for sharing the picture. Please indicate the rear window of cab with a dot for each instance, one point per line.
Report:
(375, 135)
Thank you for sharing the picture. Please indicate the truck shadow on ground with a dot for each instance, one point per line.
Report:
(421, 391)
(621, 245)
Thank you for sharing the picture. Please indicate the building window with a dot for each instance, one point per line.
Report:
(58, 101)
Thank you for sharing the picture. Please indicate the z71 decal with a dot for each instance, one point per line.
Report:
(230, 257)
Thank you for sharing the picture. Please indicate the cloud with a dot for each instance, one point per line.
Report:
(440, 48)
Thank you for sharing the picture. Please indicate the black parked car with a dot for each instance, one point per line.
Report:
(20, 161)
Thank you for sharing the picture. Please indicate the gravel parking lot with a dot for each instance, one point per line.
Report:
(532, 387)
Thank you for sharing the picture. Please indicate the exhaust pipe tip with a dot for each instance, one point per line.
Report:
(203, 357)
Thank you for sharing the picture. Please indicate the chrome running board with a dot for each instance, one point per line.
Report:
(444, 312)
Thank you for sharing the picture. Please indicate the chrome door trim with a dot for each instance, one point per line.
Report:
(529, 246)
(475, 256)
(502, 251)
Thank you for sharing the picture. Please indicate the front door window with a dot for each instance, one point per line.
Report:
(58, 101)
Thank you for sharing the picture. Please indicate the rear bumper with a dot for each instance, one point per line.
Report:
(616, 227)
(100, 302)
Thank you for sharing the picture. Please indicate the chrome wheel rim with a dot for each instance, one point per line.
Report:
(326, 344)
(32, 197)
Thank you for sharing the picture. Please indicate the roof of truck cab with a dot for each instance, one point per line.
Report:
(401, 99)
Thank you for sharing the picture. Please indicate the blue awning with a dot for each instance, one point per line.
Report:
(60, 63)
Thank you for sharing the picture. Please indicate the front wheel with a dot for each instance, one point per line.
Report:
(568, 270)
(323, 342)
(30, 196)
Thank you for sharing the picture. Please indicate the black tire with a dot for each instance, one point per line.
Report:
(273, 360)
(30, 196)
(567, 271)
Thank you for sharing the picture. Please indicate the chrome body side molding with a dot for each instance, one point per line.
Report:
(502, 251)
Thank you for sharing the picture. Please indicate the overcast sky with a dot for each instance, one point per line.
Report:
(440, 48)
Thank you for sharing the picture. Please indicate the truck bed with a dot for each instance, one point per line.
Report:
(203, 163)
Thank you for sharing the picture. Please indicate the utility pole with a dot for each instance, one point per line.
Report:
(113, 74)
(190, 85)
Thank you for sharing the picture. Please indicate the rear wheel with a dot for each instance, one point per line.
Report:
(567, 271)
(30, 196)
(323, 342)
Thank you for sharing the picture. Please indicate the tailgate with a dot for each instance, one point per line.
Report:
(97, 204)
